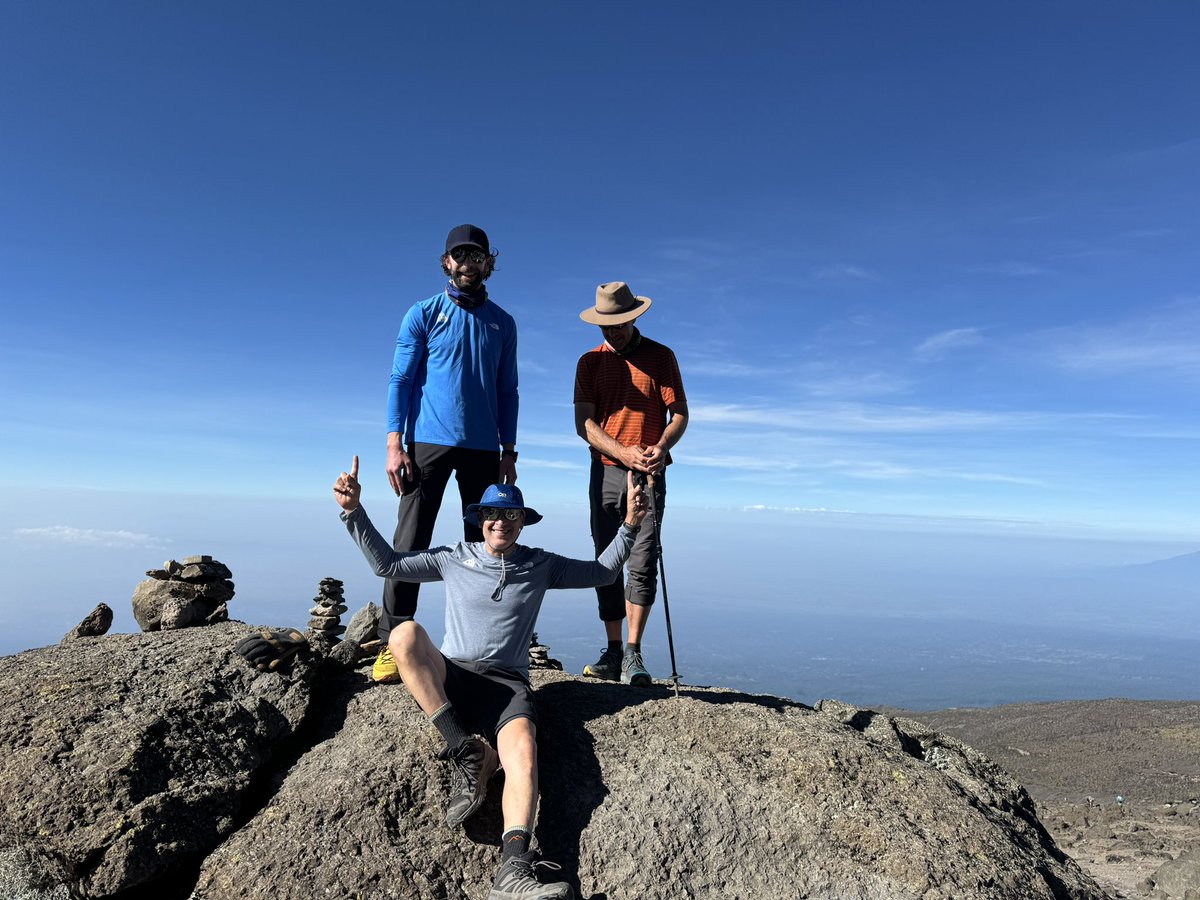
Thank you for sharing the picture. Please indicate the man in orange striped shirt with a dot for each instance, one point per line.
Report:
(631, 409)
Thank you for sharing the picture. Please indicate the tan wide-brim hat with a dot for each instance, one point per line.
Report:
(615, 305)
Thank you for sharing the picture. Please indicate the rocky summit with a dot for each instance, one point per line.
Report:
(160, 765)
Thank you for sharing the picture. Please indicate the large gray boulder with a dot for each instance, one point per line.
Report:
(1177, 879)
(123, 756)
(126, 757)
(717, 794)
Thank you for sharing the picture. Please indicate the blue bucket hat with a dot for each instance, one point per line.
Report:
(502, 496)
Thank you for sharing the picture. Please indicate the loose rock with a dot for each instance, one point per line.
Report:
(96, 623)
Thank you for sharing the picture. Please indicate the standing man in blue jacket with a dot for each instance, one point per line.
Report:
(452, 408)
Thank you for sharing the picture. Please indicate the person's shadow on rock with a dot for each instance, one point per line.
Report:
(571, 782)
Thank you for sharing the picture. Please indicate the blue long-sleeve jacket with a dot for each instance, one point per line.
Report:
(454, 376)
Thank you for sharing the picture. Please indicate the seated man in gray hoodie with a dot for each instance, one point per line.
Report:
(479, 680)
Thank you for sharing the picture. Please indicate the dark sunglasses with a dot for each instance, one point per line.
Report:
(474, 254)
(492, 513)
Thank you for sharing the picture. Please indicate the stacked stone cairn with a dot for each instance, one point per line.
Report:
(192, 591)
(325, 627)
(539, 656)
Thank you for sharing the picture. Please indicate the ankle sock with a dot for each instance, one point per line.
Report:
(614, 646)
(634, 648)
(515, 842)
(449, 726)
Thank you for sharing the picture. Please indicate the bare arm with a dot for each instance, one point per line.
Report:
(596, 437)
(656, 456)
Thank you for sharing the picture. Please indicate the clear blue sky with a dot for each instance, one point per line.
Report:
(919, 262)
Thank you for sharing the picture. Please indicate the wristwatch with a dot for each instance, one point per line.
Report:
(512, 453)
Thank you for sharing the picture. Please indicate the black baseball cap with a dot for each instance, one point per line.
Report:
(467, 236)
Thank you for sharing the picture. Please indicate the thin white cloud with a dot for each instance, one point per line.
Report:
(955, 339)
(944, 519)
(884, 471)
(697, 252)
(552, 464)
(565, 439)
(844, 272)
(94, 537)
(1011, 269)
(866, 384)
(867, 419)
(1165, 341)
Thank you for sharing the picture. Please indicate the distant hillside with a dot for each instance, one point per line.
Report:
(1187, 565)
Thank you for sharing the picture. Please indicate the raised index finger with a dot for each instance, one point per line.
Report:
(354, 467)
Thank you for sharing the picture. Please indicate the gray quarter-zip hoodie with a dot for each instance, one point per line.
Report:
(492, 604)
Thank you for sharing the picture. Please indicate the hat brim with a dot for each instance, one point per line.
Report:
(592, 317)
(471, 517)
(454, 247)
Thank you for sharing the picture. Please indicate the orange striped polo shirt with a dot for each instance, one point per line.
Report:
(631, 394)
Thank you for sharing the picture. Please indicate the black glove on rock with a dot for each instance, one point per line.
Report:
(268, 650)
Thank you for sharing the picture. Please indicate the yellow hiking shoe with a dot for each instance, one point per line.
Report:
(384, 671)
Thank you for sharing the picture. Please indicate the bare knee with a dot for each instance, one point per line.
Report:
(517, 743)
(408, 642)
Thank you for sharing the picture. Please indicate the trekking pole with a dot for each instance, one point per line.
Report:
(662, 573)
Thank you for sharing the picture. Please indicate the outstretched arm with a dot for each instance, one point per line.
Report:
(581, 573)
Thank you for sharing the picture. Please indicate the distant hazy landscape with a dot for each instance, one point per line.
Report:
(917, 614)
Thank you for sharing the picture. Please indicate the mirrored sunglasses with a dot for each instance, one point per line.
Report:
(492, 513)
(474, 254)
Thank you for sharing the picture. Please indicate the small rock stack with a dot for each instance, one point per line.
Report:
(192, 591)
(539, 656)
(325, 626)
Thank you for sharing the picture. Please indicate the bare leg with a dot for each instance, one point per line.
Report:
(421, 665)
(612, 630)
(638, 616)
(517, 743)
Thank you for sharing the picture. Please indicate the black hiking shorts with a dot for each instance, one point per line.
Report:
(488, 698)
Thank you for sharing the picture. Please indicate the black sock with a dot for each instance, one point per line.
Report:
(450, 727)
(636, 648)
(614, 646)
(514, 842)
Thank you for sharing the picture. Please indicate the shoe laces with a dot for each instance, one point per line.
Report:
(633, 658)
(462, 773)
(526, 868)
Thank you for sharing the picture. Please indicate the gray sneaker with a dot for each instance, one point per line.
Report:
(516, 880)
(633, 671)
(607, 667)
(472, 766)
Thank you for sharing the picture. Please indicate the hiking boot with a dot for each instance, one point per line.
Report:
(384, 671)
(516, 880)
(608, 666)
(633, 671)
(472, 766)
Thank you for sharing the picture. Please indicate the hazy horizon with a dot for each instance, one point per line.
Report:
(863, 597)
